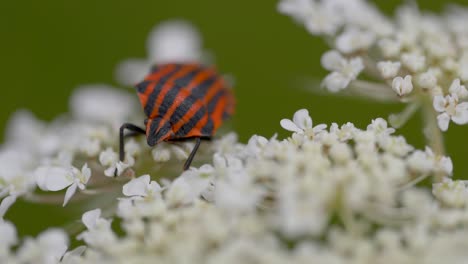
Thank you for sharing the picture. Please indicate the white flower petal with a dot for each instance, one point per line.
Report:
(51, 178)
(179, 152)
(174, 41)
(461, 114)
(427, 80)
(439, 103)
(180, 192)
(302, 119)
(290, 126)
(352, 40)
(389, 47)
(332, 60)
(355, 66)
(90, 218)
(419, 161)
(120, 166)
(69, 193)
(396, 84)
(53, 244)
(388, 69)
(6, 203)
(132, 148)
(402, 86)
(336, 81)
(109, 172)
(8, 235)
(23, 128)
(85, 173)
(446, 165)
(102, 103)
(154, 187)
(132, 71)
(75, 253)
(319, 128)
(108, 157)
(462, 106)
(90, 147)
(457, 88)
(161, 154)
(137, 186)
(443, 121)
(413, 61)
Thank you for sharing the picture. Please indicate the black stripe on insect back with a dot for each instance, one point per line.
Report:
(202, 89)
(157, 89)
(171, 95)
(142, 86)
(187, 127)
(154, 127)
(156, 131)
(207, 129)
(214, 101)
(196, 94)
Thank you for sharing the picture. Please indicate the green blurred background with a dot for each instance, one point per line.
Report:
(48, 48)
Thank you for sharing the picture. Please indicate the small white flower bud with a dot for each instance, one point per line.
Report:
(451, 193)
(420, 162)
(427, 80)
(90, 147)
(132, 148)
(340, 152)
(402, 86)
(463, 70)
(449, 64)
(8, 233)
(161, 154)
(388, 69)
(395, 145)
(389, 47)
(458, 89)
(414, 62)
(179, 152)
(353, 40)
(108, 157)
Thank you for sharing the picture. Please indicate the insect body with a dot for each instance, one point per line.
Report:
(181, 101)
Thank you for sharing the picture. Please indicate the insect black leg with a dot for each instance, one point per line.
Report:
(192, 154)
(132, 134)
(136, 131)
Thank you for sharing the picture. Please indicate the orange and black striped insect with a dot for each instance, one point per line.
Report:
(181, 101)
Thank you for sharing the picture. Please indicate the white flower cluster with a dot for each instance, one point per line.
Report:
(49, 156)
(337, 195)
(66, 153)
(327, 195)
(422, 57)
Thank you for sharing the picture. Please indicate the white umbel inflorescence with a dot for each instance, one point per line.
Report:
(343, 194)
(415, 54)
(326, 195)
(54, 162)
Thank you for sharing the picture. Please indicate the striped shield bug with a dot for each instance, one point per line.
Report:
(181, 102)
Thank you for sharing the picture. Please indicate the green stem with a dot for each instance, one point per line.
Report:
(376, 91)
(412, 182)
(398, 120)
(434, 136)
